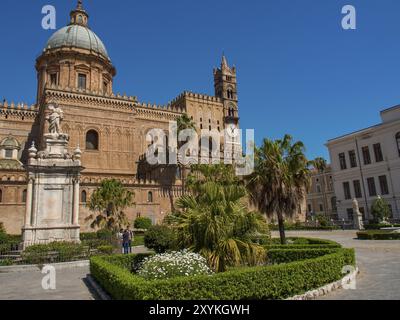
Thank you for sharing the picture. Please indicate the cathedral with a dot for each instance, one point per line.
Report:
(75, 72)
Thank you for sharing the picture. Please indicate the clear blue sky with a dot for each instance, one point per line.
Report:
(299, 72)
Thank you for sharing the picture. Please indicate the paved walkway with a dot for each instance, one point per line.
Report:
(71, 284)
(378, 261)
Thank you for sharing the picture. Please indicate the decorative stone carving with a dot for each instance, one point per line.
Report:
(52, 204)
(358, 218)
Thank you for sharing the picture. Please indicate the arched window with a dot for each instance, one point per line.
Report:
(24, 193)
(398, 142)
(92, 140)
(83, 196)
(150, 197)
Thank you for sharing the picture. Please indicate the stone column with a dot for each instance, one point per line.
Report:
(75, 220)
(28, 212)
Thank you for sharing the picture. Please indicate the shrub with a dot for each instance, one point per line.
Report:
(378, 235)
(269, 282)
(95, 243)
(54, 252)
(277, 256)
(376, 226)
(143, 223)
(88, 236)
(105, 234)
(174, 264)
(105, 250)
(159, 238)
(323, 220)
(380, 210)
(6, 262)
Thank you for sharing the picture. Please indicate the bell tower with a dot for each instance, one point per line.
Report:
(225, 84)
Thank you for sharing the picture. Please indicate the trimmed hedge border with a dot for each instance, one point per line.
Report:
(279, 281)
(378, 235)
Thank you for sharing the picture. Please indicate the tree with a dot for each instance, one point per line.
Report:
(213, 219)
(108, 202)
(380, 210)
(280, 179)
(183, 123)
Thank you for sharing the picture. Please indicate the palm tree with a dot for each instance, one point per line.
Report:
(280, 179)
(183, 123)
(213, 219)
(108, 203)
(320, 164)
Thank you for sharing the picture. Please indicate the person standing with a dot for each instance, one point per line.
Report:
(125, 241)
(130, 239)
(120, 235)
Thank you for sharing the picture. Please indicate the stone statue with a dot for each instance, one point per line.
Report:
(54, 118)
(358, 219)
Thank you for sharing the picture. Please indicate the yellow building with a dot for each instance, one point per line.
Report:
(76, 73)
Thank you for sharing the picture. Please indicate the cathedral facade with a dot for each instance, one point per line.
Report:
(75, 73)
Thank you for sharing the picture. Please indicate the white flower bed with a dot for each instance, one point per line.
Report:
(174, 264)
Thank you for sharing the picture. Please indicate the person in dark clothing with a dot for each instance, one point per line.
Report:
(126, 237)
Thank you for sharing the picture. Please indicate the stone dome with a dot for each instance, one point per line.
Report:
(77, 36)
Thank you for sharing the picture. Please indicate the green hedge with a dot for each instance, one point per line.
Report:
(259, 283)
(54, 252)
(378, 235)
(303, 243)
(374, 226)
(277, 256)
(302, 227)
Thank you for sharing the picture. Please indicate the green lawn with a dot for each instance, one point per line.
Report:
(138, 241)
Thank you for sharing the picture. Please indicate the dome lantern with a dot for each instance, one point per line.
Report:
(79, 15)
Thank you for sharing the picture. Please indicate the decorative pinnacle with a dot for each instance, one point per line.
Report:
(79, 5)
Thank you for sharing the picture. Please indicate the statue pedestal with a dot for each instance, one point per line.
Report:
(52, 204)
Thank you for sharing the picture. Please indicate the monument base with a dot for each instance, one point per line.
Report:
(45, 235)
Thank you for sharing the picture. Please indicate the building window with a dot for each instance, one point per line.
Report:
(1, 196)
(350, 214)
(384, 185)
(24, 193)
(82, 81)
(54, 79)
(342, 160)
(318, 188)
(353, 159)
(347, 192)
(321, 207)
(83, 196)
(9, 153)
(378, 152)
(92, 140)
(150, 197)
(357, 189)
(371, 187)
(309, 208)
(398, 142)
(366, 155)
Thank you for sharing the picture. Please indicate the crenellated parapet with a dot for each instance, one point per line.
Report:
(91, 98)
(197, 96)
(19, 110)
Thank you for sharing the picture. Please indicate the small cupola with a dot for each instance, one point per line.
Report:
(79, 16)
